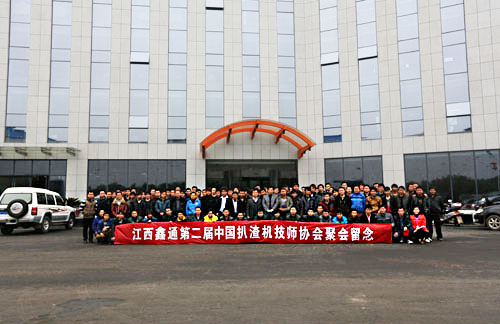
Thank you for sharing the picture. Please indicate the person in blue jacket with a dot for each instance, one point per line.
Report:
(104, 230)
(339, 219)
(358, 200)
(97, 218)
(192, 204)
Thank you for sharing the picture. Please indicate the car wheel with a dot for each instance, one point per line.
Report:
(70, 223)
(17, 208)
(493, 222)
(6, 230)
(44, 226)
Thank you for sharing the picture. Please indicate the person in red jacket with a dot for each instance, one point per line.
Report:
(419, 225)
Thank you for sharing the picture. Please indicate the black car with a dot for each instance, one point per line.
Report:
(490, 217)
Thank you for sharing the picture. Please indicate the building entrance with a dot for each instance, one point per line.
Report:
(249, 173)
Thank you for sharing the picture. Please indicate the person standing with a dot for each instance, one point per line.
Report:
(88, 208)
(254, 205)
(358, 200)
(270, 203)
(119, 205)
(161, 206)
(342, 203)
(435, 203)
(284, 204)
(192, 204)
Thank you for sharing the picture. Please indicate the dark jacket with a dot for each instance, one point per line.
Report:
(421, 202)
(177, 205)
(253, 207)
(364, 219)
(309, 202)
(147, 207)
(298, 203)
(399, 202)
(135, 205)
(330, 206)
(122, 208)
(104, 204)
(343, 205)
(435, 204)
(211, 203)
(88, 208)
(240, 208)
(161, 206)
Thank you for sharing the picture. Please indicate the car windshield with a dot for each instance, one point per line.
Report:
(8, 197)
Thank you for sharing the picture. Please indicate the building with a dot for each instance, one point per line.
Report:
(103, 94)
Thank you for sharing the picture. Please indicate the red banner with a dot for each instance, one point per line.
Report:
(276, 232)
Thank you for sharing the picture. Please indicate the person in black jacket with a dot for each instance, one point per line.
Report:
(342, 203)
(298, 202)
(177, 204)
(435, 203)
(420, 201)
(212, 202)
(401, 200)
(254, 205)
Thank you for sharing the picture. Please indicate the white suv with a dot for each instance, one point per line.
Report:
(33, 207)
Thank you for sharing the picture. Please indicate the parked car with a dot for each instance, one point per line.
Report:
(33, 207)
(489, 216)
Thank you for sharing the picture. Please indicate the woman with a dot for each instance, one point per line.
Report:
(418, 223)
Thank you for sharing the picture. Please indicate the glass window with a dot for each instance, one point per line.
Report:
(215, 78)
(177, 135)
(178, 18)
(487, 163)
(101, 15)
(138, 174)
(41, 199)
(100, 75)
(117, 174)
(60, 74)
(139, 76)
(457, 88)
(61, 12)
(59, 201)
(368, 71)
(250, 44)
(412, 114)
(462, 172)
(17, 99)
(214, 20)
(408, 27)
(353, 170)
(367, 35)
(139, 40)
(251, 79)
(331, 102)
(328, 19)
(251, 104)
(99, 102)
(58, 134)
(138, 135)
(455, 59)
(413, 128)
(177, 103)
(438, 168)
(177, 77)
(334, 173)
(406, 7)
(365, 11)
(370, 132)
(368, 118)
(250, 21)
(452, 18)
(416, 169)
(18, 73)
(372, 169)
(215, 43)
(369, 98)
(41, 167)
(285, 23)
(20, 10)
(459, 124)
(50, 200)
(98, 135)
(61, 37)
(214, 122)
(411, 93)
(286, 45)
(330, 76)
(286, 80)
(329, 41)
(140, 16)
(177, 41)
(409, 66)
(23, 167)
(215, 104)
(19, 34)
(97, 175)
(286, 105)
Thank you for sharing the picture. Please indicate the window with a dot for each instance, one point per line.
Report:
(33, 173)
(251, 58)
(41, 199)
(177, 72)
(50, 200)
(355, 170)
(214, 66)
(368, 69)
(409, 68)
(59, 201)
(100, 71)
(60, 71)
(18, 71)
(287, 110)
(139, 73)
(143, 175)
(456, 78)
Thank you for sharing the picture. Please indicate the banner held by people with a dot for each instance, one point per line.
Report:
(276, 232)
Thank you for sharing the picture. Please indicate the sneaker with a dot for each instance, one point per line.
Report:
(410, 242)
(428, 240)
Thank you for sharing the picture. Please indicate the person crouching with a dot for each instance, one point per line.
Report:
(104, 230)
(419, 225)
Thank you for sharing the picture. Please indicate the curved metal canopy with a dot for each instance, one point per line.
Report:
(280, 131)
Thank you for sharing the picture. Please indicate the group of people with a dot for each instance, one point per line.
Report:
(412, 212)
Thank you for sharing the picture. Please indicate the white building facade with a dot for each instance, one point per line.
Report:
(107, 94)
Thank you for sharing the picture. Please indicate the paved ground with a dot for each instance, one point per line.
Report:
(54, 279)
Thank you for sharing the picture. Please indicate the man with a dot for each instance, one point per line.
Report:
(294, 214)
(119, 205)
(254, 205)
(435, 203)
(243, 201)
(401, 200)
(102, 202)
(88, 208)
(197, 215)
(210, 217)
(119, 220)
(374, 201)
(340, 218)
(311, 216)
(169, 216)
(212, 202)
(149, 219)
(192, 204)
(104, 230)
(308, 201)
(234, 205)
(177, 204)
(297, 202)
(342, 203)
(386, 199)
(134, 203)
(420, 201)
(328, 204)
(134, 217)
(383, 217)
(284, 204)
(358, 200)
(226, 216)
(270, 203)
(223, 201)
(161, 206)
(148, 206)
(322, 216)
(260, 215)
(367, 217)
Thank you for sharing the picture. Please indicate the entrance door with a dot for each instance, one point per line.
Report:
(249, 173)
